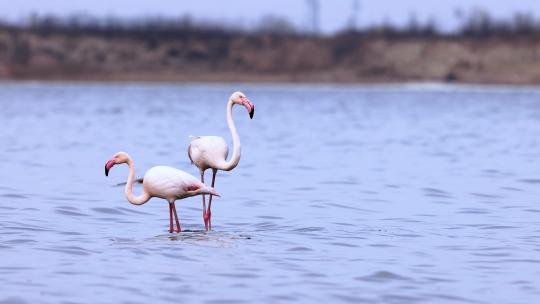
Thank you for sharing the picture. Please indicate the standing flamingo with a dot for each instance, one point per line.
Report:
(164, 182)
(210, 152)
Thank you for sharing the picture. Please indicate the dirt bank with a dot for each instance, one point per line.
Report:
(342, 58)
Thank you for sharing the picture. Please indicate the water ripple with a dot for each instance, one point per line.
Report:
(417, 194)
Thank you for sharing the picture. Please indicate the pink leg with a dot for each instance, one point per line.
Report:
(170, 219)
(205, 217)
(209, 212)
(178, 229)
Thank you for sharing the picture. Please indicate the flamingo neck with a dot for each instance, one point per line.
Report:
(235, 158)
(128, 190)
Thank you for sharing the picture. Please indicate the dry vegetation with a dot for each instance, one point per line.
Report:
(483, 51)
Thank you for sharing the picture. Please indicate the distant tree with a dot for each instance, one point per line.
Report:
(275, 25)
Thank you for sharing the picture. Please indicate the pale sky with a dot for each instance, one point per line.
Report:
(334, 13)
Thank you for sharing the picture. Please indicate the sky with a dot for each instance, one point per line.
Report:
(334, 14)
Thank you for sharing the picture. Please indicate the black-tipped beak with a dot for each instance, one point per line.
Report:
(108, 166)
(249, 107)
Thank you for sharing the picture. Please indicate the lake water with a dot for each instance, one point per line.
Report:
(359, 194)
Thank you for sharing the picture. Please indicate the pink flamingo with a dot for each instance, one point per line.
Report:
(210, 152)
(164, 182)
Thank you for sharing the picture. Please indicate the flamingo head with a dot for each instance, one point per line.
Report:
(241, 99)
(118, 158)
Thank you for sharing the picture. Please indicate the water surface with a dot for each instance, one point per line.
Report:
(366, 194)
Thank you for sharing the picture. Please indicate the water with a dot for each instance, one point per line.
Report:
(375, 194)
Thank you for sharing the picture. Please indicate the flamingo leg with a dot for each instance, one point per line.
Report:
(205, 218)
(209, 212)
(178, 229)
(170, 219)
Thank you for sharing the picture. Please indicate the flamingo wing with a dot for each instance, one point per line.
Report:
(208, 151)
(189, 153)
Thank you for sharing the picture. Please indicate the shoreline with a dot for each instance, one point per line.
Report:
(225, 78)
(319, 77)
(400, 86)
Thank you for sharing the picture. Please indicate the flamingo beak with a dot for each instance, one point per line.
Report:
(249, 106)
(108, 166)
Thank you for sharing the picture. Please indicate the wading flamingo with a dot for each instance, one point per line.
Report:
(210, 152)
(164, 182)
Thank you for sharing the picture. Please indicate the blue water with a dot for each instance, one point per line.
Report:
(358, 194)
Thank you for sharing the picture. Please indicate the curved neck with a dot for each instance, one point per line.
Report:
(128, 190)
(235, 158)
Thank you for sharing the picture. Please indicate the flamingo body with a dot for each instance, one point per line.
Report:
(169, 183)
(208, 152)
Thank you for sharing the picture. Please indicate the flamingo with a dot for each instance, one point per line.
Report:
(161, 181)
(210, 152)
